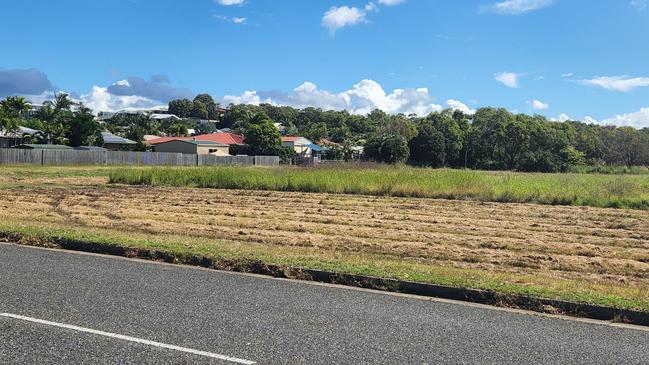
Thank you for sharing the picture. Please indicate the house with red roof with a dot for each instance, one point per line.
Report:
(222, 139)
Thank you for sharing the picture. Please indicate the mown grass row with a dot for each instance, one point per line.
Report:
(241, 255)
(608, 191)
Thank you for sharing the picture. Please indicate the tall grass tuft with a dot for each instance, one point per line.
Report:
(598, 190)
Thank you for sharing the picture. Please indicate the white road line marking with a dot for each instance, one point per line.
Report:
(131, 339)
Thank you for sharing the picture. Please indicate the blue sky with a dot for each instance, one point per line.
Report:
(576, 58)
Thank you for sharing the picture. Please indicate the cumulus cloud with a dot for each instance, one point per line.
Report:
(23, 82)
(639, 119)
(458, 105)
(517, 7)
(561, 118)
(344, 16)
(391, 2)
(509, 79)
(338, 17)
(230, 2)
(538, 105)
(157, 88)
(617, 83)
(361, 98)
(101, 99)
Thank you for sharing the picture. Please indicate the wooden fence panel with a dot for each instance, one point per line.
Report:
(19, 157)
(267, 161)
(64, 157)
(127, 158)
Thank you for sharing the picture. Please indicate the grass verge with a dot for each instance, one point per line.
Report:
(606, 191)
(235, 256)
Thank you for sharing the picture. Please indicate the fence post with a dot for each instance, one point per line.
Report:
(42, 157)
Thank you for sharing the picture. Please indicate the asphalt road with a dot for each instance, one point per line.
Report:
(264, 320)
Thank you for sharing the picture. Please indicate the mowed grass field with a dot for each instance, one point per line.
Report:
(598, 190)
(585, 254)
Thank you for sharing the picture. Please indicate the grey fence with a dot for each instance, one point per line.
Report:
(67, 157)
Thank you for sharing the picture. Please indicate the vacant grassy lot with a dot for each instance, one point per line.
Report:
(577, 253)
(614, 191)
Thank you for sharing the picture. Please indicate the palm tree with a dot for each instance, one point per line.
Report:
(16, 106)
(62, 101)
(46, 113)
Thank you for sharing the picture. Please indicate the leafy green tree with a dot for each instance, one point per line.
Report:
(15, 106)
(8, 123)
(387, 148)
(199, 110)
(429, 147)
(181, 108)
(83, 130)
(178, 130)
(211, 107)
(401, 126)
(205, 128)
(262, 136)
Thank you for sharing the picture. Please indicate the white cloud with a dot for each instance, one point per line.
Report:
(248, 97)
(509, 79)
(538, 105)
(391, 2)
(617, 83)
(100, 99)
(458, 105)
(230, 2)
(518, 7)
(561, 118)
(362, 98)
(566, 75)
(640, 5)
(339, 17)
(590, 120)
(639, 119)
(235, 20)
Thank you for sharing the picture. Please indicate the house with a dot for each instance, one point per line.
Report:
(229, 139)
(90, 148)
(193, 147)
(303, 147)
(158, 116)
(29, 146)
(117, 143)
(21, 135)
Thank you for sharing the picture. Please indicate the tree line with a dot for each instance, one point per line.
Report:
(490, 139)
(55, 121)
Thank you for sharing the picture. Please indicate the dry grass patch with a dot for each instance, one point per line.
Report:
(589, 254)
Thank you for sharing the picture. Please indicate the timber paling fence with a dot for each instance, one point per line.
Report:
(12, 156)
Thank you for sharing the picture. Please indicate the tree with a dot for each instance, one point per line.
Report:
(429, 147)
(199, 110)
(178, 130)
(83, 130)
(211, 108)
(15, 106)
(8, 123)
(205, 128)
(387, 148)
(262, 136)
(62, 102)
(181, 108)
